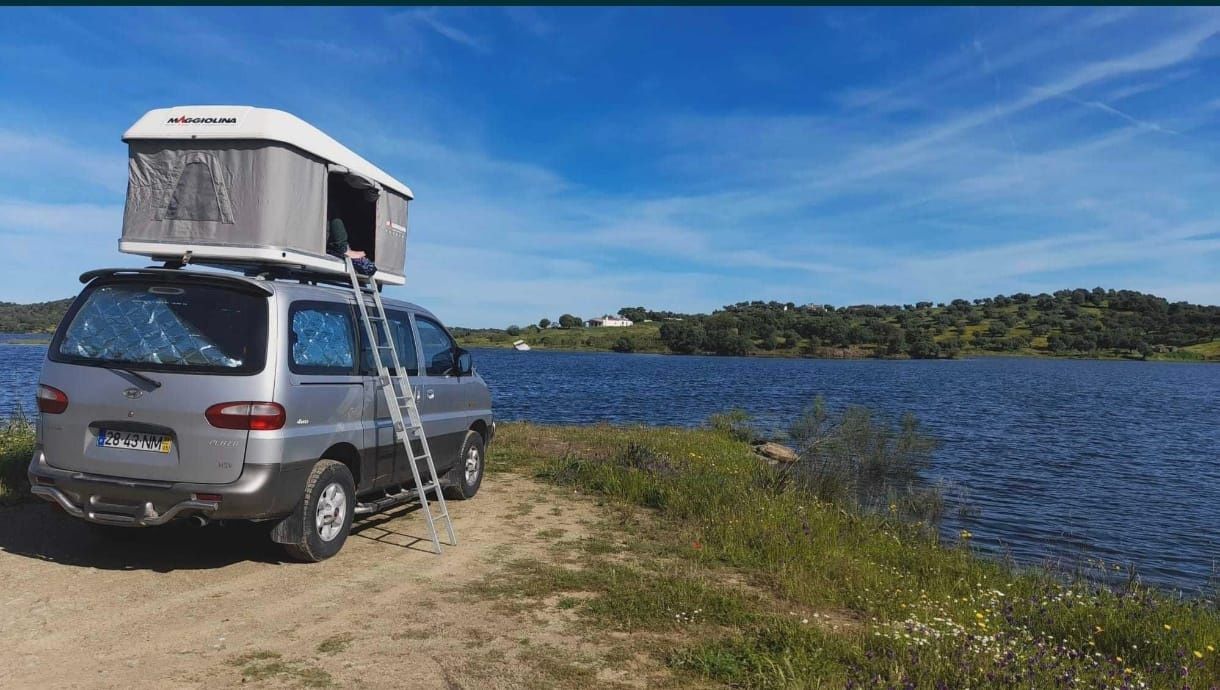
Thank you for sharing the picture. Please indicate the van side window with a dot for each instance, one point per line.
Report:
(404, 343)
(322, 339)
(438, 347)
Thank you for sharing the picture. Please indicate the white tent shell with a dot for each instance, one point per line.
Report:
(241, 184)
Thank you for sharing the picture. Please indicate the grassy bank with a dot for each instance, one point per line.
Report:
(719, 569)
(733, 576)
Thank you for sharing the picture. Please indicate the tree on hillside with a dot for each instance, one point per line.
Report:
(635, 314)
(513, 330)
(544, 323)
(683, 337)
(569, 321)
(624, 345)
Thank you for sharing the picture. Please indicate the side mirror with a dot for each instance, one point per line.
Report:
(465, 363)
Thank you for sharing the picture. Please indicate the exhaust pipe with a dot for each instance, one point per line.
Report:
(198, 521)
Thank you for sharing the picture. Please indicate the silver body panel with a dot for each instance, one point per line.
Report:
(339, 417)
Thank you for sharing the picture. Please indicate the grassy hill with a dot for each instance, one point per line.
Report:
(1069, 323)
(40, 317)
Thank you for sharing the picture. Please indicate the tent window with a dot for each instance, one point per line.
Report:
(353, 200)
(199, 192)
(195, 196)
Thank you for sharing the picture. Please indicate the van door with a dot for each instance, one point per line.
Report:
(443, 415)
(390, 464)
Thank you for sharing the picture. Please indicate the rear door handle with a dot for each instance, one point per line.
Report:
(430, 393)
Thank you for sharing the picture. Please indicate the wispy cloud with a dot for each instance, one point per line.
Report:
(431, 19)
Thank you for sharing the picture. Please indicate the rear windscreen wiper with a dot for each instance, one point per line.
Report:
(146, 379)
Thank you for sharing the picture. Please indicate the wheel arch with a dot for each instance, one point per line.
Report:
(347, 454)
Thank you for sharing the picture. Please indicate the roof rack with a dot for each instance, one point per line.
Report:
(255, 270)
(263, 270)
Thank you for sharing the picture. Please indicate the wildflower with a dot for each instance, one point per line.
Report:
(696, 545)
(1168, 626)
(1198, 654)
(965, 534)
(1211, 648)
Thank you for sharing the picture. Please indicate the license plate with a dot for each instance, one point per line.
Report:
(133, 440)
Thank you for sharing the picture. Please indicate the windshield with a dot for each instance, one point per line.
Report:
(158, 327)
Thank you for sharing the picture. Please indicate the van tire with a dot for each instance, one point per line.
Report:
(461, 487)
(309, 545)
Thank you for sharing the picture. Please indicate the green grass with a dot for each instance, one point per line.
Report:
(16, 447)
(1202, 350)
(335, 643)
(765, 566)
(263, 665)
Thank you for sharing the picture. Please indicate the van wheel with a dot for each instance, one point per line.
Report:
(324, 514)
(467, 474)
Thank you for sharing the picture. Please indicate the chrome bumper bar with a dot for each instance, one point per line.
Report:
(139, 515)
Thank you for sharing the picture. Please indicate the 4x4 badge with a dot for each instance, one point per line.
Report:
(132, 393)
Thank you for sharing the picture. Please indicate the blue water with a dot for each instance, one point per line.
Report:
(1065, 460)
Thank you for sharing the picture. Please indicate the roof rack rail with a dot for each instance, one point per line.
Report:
(264, 270)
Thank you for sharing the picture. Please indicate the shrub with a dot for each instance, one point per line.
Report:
(16, 446)
(858, 460)
(624, 345)
(736, 423)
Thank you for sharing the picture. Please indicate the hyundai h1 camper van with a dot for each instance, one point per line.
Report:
(182, 394)
(261, 391)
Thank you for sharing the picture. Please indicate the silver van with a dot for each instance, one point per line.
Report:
(173, 394)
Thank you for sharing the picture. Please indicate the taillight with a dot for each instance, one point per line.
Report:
(250, 415)
(51, 400)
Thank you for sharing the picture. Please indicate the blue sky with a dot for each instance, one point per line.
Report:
(580, 160)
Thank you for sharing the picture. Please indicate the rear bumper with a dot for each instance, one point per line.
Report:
(262, 491)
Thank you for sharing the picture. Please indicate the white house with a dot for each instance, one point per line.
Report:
(608, 321)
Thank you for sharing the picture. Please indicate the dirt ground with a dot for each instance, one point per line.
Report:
(217, 607)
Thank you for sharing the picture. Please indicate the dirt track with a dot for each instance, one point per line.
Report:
(218, 607)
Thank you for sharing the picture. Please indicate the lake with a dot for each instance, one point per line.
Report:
(1065, 460)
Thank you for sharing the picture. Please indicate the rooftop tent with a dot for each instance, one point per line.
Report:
(239, 184)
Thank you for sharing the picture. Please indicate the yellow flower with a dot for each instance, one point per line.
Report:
(1198, 654)
(1168, 626)
(1119, 659)
(965, 534)
(1097, 629)
(1211, 648)
(1128, 670)
(978, 615)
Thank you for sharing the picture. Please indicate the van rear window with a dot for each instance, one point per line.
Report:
(160, 327)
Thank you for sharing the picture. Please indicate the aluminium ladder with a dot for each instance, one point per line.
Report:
(399, 396)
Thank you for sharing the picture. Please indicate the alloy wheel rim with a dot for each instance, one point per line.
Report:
(331, 512)
(473, 465)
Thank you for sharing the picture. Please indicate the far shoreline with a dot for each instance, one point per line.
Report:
(772, 355)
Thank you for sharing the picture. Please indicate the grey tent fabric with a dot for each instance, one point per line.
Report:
(237, 194)
(230, 193)
(391, 232)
